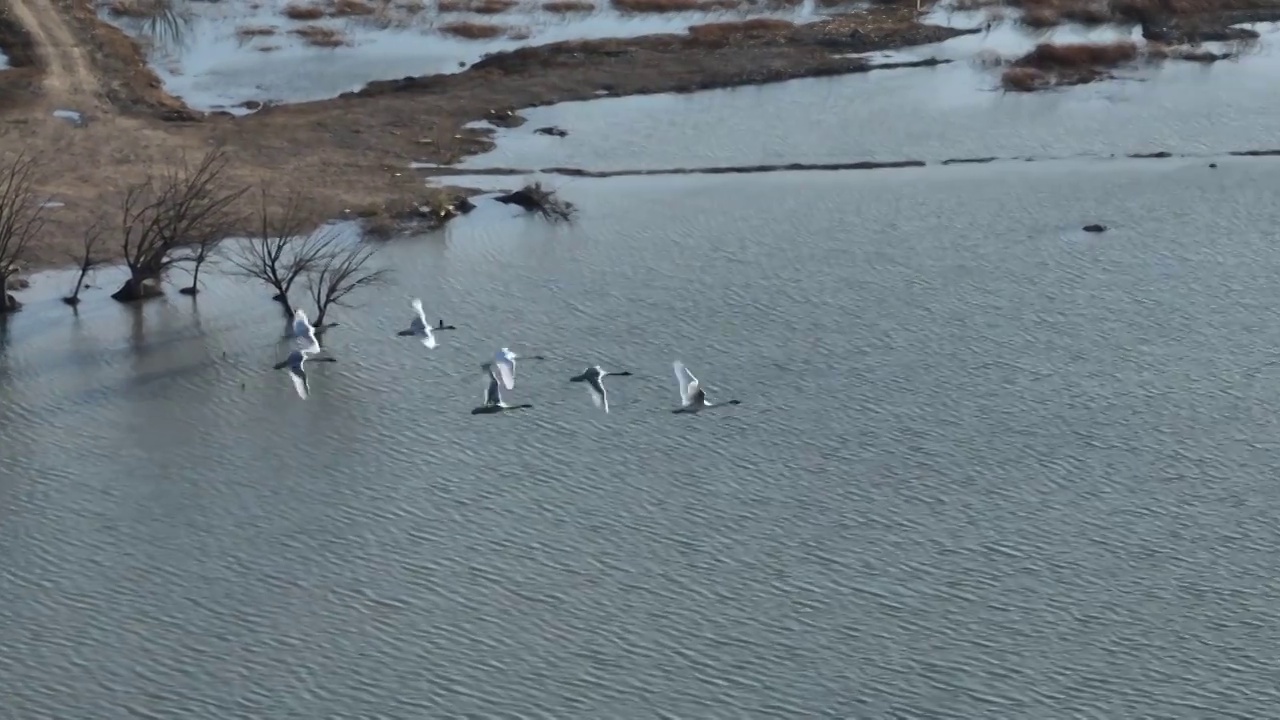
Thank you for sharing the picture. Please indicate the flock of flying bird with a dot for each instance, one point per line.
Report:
(501, 369)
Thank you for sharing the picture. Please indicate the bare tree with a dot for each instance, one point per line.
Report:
(21, 220)
(282, 252)
(184, 205)
(87, 258)
(338, 275)
(201, 250)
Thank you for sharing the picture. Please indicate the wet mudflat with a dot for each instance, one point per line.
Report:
(986, 464)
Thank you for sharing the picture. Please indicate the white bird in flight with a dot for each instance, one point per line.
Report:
(692, 397)
(503, 365)
(304, 332)
(493, 399)
(595, 376)
(419, 327)
(296, 363)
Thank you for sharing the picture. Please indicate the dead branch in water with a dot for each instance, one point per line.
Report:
(341, 273)
(185, 205)
(282, 251)
(21, 220)
(535, 198)
(88, 258)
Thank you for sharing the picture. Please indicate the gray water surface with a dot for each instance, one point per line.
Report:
(987, 465)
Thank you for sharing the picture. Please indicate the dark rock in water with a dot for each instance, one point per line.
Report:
(1213, 165)
(1156, 155)
(551, 130)
(193, 290)
(135, 290)
(535, 198)
(1095, 228)
(16, 283)
(522, 199)
(463, 204)
(10, 304)
(251, 105)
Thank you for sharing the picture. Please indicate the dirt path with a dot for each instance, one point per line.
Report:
(68, 77)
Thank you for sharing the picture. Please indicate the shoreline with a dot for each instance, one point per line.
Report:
(359, 145)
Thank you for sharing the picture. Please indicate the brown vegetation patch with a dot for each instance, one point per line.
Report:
(473, 30)
(568, 6)
(661, 6)
(320, 36)
(252, 31)
(296, 11)
(1050, 65)
(724, 31)
(481, 7)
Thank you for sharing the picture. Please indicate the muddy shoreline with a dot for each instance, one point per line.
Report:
(351, 154)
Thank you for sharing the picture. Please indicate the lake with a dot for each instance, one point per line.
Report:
(986, 464)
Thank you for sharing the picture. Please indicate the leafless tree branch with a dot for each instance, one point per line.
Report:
(184, 207)
(340, 274)
(21, 217)
(87, 258)
(282, 251)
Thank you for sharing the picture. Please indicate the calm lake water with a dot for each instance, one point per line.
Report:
(986, 465)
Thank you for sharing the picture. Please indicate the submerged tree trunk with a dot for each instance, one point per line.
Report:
(9, 303)
(138, 288)
(195, 280)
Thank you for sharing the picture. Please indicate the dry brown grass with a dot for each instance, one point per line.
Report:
(724, 31)
(1024, 79)
(662, 6)
(473, 30)
(568, 6)
(482, 7)
(252, 31)
(320, 36)
(1047, 56)
(1050, 65)
(296, 11)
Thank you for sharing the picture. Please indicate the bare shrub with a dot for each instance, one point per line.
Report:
(21, 220)
(473, 30)
(88, 258)
(320, 36)
(281, 251)
(340, 273)
(159, 217)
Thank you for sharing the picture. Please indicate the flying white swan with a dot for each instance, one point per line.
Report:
(296, 363)
(504, 365)
(692, 398)
(419, 327)
(493, 399)
(304, 332)
(595, 376)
